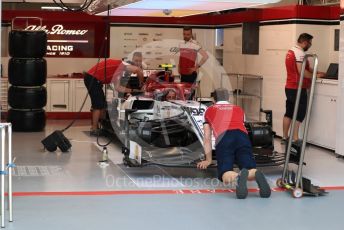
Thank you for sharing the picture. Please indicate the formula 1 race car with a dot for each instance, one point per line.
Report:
(161, 131)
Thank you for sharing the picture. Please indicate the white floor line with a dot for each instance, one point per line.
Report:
(128, 176)
(164, 171)
(91, 142)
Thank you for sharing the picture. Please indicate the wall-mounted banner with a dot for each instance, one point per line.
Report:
(69, 39)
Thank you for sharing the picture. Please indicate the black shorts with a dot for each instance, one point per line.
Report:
(191, 78)
(290, 104)
(95, 90)
(233, 147)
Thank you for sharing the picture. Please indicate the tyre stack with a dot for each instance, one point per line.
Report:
(27, 73)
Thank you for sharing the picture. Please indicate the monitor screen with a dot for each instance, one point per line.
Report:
(332, 71)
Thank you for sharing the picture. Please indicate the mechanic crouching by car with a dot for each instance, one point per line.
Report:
(104, 72)
(233, 146)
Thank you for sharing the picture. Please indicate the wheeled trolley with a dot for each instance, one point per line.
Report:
(295, 152)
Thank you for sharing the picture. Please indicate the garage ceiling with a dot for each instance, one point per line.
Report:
(153, 8)
(180, 8)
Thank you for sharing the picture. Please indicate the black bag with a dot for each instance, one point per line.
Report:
(56, 139)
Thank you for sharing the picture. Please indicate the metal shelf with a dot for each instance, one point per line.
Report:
(245, 95)
(246, 86)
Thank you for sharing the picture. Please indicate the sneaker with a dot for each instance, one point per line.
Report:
(241, 188)
(264, 187)
(284, 140)
(96, 132)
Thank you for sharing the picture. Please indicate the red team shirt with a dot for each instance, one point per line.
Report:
(224, 117)
(112, 66)
(188, 55)
(294, 55)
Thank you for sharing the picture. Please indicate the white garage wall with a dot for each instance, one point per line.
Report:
(333, 55)
(340, 101)
(323, 43)
(275, 40)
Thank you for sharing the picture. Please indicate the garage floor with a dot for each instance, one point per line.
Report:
(71, 191)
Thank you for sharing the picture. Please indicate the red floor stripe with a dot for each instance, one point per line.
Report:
(121, 192)
(148, 192)
(334, 188)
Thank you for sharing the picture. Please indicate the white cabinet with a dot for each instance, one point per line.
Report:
(64, 95)
(322, 127)
(80, 93)
(4, 91)
(67, 95)
(59, 95)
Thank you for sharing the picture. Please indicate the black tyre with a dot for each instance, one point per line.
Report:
(27, 121)
(27, 72)
(27, 98)
(27, 44)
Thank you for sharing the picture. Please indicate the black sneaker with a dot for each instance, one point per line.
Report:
(264, 187)
(241, 188)
(284, 141)
(96, 133)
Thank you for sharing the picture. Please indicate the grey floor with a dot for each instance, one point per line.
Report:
(72, 191)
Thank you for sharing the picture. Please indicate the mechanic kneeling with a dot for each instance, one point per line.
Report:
(233, 146)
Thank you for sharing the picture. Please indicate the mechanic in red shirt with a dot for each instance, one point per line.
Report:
(233, 146)
(94, 80)
(189, 48)
(293, 63)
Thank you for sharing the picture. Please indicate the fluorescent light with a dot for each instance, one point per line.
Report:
(102, 5)
(57, 8)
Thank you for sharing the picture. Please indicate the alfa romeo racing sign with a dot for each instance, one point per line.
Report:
(73, 40)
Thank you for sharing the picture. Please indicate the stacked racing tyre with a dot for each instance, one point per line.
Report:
(27, 73)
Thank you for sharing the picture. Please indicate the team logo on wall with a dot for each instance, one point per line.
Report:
(56, 29)
(72, 40)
